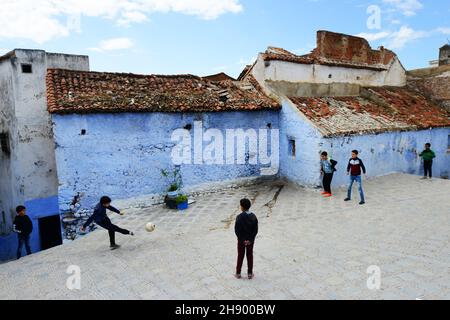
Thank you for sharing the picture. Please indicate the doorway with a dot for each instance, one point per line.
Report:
(50, 232)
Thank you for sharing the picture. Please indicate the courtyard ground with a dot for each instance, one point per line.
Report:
(308, 248)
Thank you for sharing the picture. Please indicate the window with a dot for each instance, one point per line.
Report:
(330, 76)
(292, 148)
(27, 68)
(4, 142)
(83, 132)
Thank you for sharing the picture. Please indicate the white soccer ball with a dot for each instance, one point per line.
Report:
(150, 227)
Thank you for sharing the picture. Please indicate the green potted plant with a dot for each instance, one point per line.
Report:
(182, 202)
(172, 192)
(175, 181)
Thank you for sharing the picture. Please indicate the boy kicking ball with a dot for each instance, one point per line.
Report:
(100, 218)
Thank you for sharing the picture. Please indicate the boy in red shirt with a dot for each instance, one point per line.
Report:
(354, 169)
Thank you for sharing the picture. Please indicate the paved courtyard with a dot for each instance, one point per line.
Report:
(308, 248)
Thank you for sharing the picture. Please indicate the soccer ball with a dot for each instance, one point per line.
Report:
(150, 227)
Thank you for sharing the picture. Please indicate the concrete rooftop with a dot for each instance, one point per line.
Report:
(308, 248)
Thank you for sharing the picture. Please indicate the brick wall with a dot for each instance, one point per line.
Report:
(435, 86)
(344, 47)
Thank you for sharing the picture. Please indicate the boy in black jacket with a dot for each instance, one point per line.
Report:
(246, 229)
(23, 226)
(99, 217)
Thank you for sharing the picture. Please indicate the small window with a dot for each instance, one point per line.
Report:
(4, 142)
(292, 148)
(27, 68)
(83, 132)
(330, 76)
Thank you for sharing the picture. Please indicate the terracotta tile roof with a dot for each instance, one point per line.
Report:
(95, 92)
(273, 53)
(245, 72)
(219, 77)
(336, 49)
(377, 110)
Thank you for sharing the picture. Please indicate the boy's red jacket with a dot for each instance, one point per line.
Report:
(355, 166)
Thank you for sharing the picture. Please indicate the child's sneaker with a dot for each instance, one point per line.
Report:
(327, 195)
(347, 199)
(423, 178)
(114, 247)
(237, 276)
(251, 276)
(324, 192)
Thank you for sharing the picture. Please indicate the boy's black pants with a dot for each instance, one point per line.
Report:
(112, 229)
(327, 178)
(23, 239)
(244, 250)
(428, 168)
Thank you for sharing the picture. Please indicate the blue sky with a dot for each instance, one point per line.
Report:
(210, 36)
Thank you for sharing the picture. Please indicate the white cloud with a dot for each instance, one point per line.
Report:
(374, 36)
(444, 30)
(406, 34)
(399, 39)
(44, 20)
(246, 61)
(113, 44)
(406, 7)
(396, 39)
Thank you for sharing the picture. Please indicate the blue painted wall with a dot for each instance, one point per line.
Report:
(36, 208)
(301, 169)
(391, 152)
(121, 155)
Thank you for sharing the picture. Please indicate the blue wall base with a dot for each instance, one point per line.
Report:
(36, 208)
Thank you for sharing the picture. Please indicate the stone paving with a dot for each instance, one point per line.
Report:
(308, 248)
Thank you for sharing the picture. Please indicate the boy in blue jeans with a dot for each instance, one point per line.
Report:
(354, 169)
(23, 226)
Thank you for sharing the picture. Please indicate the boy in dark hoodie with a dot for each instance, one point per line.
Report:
(99, 217)
(23, 226)
(427, 155)
(246, 229)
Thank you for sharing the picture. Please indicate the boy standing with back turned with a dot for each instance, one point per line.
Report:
(246, 229)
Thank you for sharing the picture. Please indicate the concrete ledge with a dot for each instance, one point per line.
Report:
(202, 189)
